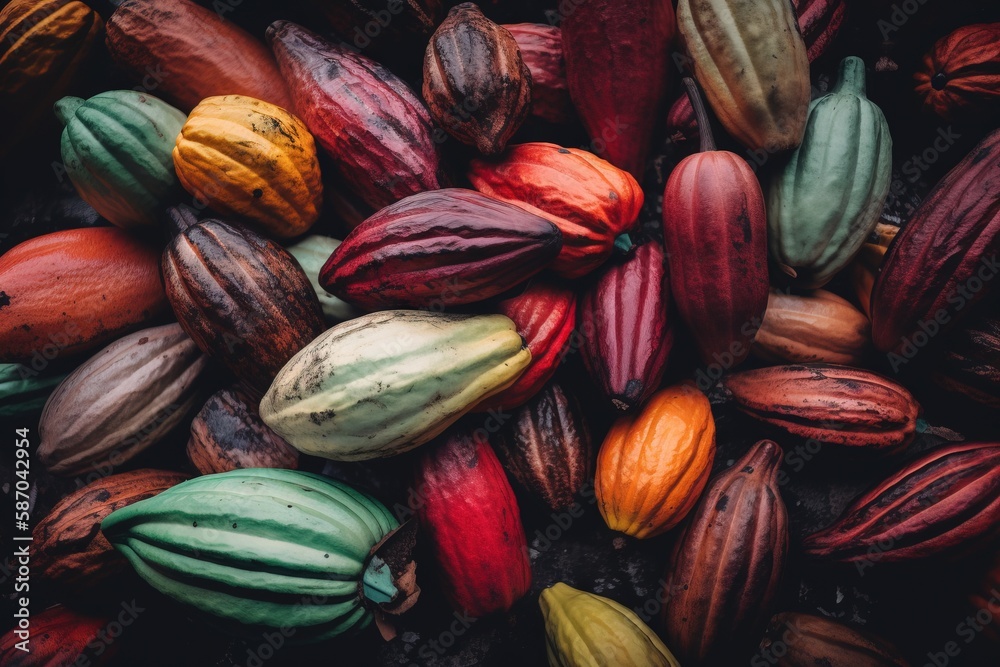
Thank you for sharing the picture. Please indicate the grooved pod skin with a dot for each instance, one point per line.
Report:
(76, 290)
(951, 243)
(370, 123)
(813, 327)
(825, 201)
(726, 565)
(42, 45)
(116, 147)
(121, 401)
(801, 640)
(444, 247)
(588, 199)
(242, 298)
(312, 252)
(23, 391)
(475, 83)
(945, 501)
(618, 69)
(627, 334)
(960, 73)
(547, 447)
(545, 315)
(653, 466)
(384, 383)
(245, 157)
(247, 545)
(59, 637)
(471, 518)
(865, 267)
(194, 53)
(970, 363)
(69, 551)
(542, 51)
(828, 403)
(228, 434)
(586, 629)
(749, 58)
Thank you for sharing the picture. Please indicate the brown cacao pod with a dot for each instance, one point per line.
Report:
(828, 403)
(69, 551)
(60, 637)
(547, 447)
(475, 82)
(948, 500)
(542, 51)
(805, 640)
(813, 327)
(726, 565)
(970, 363)
(228, 434)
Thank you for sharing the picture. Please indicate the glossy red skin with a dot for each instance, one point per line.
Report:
(952, 238)
(626, 331)
(618, 68)
(59, 637)
(439, 248)
(715, 233)
(368, 120)
(946, 501)
(542, 51)
(545, 315)
(471, 519)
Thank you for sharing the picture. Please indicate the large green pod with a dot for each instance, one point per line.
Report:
(116, 148)
(826, 199)
(23, 391)
(262, 547)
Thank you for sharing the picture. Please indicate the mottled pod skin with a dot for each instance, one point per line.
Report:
(542, 51)
(959, 76)
(59, 637)
(801, 640)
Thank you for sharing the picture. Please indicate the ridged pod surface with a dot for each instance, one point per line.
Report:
(802, 640)
(23, 390)
(312, 252)
(726, 565)
(828, 403)
(812, 327)
(384, 383)
(471, 519)
(59, 637)
(961, 73)
(948, 500)
(542, 51)
(865, 267)
(653, 466)
(970, 362)
(370, 123)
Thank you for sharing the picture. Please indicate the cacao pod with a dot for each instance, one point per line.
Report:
(60, 637)
(970, 363)
(311, 252)
(961, 73)
(405, 24)
(828, 403)
(985, 596)
(803, 640)
(815, 327)
(726, 566)
(864, 269)
(653, 466)
(23, 391)
(542, 51)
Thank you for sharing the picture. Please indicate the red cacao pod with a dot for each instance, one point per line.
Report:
(475, 82)
(542, 51)
(986, 595)
(947, 500)
(828, 403)
(970, 363)
(726, 565)
(447, 247)
(804, 640)
(618, 69)
(715, 233)
(547, 447)
(627, 336)
(370, 123)
(945, 259)
(545, 315)
(961, 74)
(470, 515)
(588, 199)
(60, 637)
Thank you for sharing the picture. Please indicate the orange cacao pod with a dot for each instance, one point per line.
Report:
(818, 326)
(961, 73)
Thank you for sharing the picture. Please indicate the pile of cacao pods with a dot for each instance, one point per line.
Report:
(596, 333)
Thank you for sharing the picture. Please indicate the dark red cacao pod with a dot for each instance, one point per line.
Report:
(545, 315)
(944, 260)
(60, 637)
(542, 51)
(228, 434)
(970, 362)
(961, 74)
(370, 123)
(384, 28)
(242, 298)
(985, 595)
(625, 328)
(948, 500)
(547, 447)
(726, 565)
(470, 516)
(618, 69)
(828, 403)
(805, 640)
(475, 81)
(443, 247)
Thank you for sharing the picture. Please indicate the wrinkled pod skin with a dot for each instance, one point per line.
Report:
(542, 51)
(812, 327)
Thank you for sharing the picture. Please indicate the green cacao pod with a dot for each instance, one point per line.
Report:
(23, 391)
(116, 148)
(826, 199)
(311, 253)
(262, 547)
(384, 383)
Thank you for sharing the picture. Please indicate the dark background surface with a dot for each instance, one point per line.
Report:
(919, 607)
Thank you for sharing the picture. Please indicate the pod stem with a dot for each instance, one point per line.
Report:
(707, 141)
